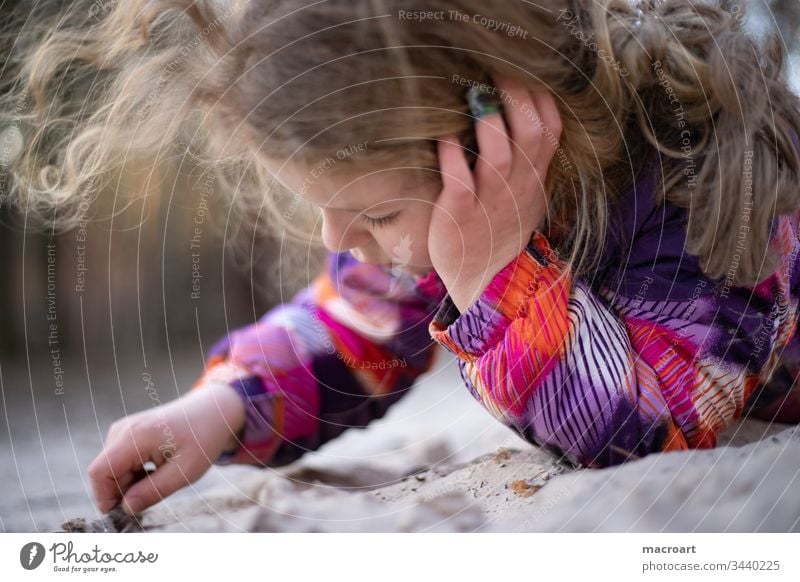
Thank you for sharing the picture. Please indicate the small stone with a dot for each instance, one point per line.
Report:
(502, 454)
(115, 521)
(523, 488)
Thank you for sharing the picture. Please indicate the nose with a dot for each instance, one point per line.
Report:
(342, 233)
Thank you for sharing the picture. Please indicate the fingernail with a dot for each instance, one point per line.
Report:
(132, 505)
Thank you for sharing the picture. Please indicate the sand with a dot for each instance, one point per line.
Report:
(438, 462)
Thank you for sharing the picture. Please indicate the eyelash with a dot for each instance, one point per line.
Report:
(382, 221)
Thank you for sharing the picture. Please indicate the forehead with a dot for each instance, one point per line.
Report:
(351, 189)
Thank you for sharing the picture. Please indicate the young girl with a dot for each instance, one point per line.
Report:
(609, 253)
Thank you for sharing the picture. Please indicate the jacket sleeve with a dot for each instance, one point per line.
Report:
(777, 398)
(598, 374)
(336, 356)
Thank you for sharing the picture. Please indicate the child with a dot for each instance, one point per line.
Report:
(610, 257)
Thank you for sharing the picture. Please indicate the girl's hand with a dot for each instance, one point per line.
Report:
(483, 221)
(182, 438)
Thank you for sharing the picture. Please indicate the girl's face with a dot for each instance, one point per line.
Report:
(380, 217)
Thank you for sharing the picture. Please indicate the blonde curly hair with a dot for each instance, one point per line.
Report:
(220, 84)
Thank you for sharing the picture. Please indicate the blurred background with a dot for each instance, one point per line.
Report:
(118, 314)
(114, 316)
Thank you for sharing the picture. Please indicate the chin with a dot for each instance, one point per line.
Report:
(410, 269)
(417, 271)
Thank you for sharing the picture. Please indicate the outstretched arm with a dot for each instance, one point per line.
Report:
(336, 356)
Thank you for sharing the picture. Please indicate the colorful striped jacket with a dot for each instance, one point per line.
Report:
(650, 355)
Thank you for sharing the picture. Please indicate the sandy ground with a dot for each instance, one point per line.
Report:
(754, 487)
(436, 462)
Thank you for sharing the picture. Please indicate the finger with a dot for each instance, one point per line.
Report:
(525, 125)
(157, 485)
(117, 466)
(112, 472)
(494, 152)
(458, 186)
(113, 431)
(551, 120)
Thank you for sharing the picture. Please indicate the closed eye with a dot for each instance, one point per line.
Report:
(382, 221)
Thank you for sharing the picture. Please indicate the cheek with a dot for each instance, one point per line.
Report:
(408, 242)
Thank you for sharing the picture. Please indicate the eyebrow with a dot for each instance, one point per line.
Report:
(408, 186)
(345, 209)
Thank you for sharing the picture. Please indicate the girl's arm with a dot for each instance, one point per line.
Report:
(336, 356)
(663, 361)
